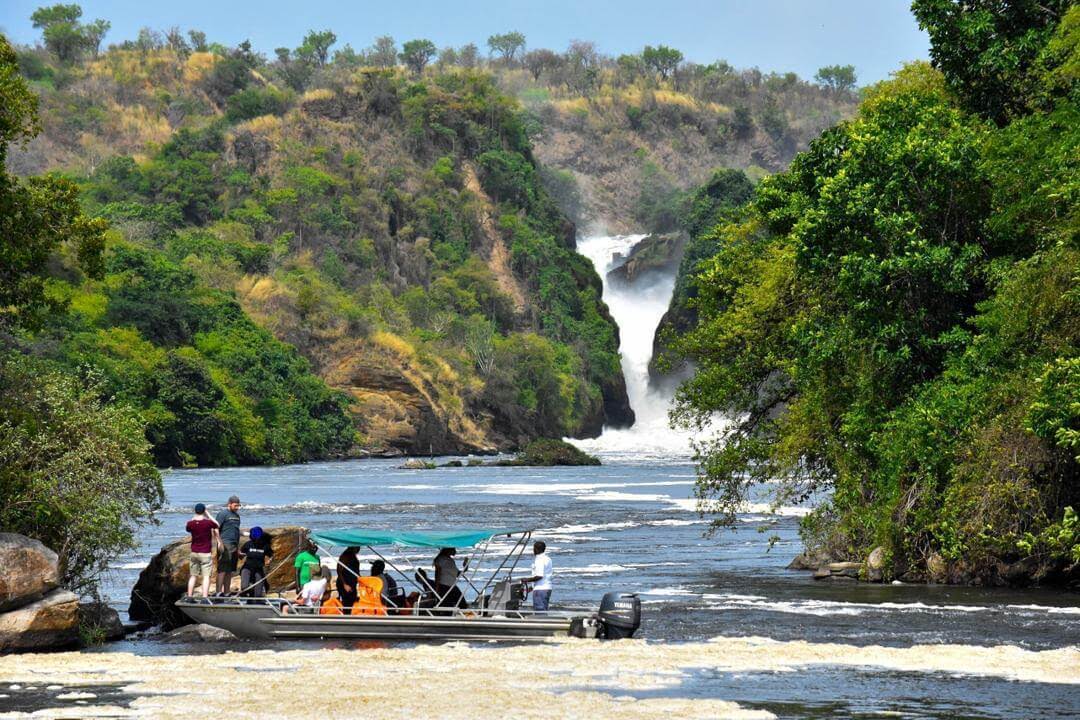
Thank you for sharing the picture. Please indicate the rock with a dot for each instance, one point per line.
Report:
(416, 464)
(875, 564)
(809, 560)
(652, 255)
(30, 570)
(548, 452)
(198, 633)
(822, 573)
(164, 580)
(46, 624)
(453, 463)
(100, 615)
(936, 568)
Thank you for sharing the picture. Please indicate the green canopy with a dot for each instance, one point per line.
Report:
(446, 538)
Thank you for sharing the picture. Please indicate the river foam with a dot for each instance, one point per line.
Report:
(554, 679)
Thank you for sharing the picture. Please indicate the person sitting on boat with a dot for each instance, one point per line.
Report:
(255, 552)
(347, 572)
(314, 589)
(541, 576)
(305, 564)
(389, 588)
(331, 605)
(446, 577)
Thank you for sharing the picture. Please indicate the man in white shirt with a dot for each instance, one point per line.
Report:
(541, 576)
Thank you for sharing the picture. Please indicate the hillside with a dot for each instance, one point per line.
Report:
(388, 225)
(617, 153)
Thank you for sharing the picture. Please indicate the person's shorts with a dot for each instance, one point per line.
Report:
(226, 561)
(202, 564)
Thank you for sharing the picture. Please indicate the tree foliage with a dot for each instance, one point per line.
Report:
(840, 78)
(507, 45)
(986, 49)
(864, 320)
(64, 35)
(416, 54)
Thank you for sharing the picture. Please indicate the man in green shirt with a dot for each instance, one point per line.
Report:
(306, 561)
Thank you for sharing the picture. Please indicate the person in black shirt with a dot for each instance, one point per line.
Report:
(348, 571)
(255, 552)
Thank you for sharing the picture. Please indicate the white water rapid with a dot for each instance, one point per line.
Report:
(637, 309)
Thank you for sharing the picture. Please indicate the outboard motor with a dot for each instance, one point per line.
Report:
(619, 615)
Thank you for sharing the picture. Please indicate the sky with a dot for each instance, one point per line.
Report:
(875, 36)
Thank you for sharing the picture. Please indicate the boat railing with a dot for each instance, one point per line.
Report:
(284, 607)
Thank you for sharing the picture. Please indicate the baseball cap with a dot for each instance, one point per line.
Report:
(199, 508)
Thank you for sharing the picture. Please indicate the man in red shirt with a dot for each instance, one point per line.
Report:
(204, 530)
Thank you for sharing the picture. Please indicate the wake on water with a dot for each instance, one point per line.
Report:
(637, 310)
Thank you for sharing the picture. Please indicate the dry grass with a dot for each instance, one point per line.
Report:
(264, 125)
(395, 344)
(198, 65)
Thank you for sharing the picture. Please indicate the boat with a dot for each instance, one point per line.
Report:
(489, 606)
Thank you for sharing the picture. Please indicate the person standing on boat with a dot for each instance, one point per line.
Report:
(541, 576)
(203, 531)
(347, 572)
(255, 553)
(228, 521)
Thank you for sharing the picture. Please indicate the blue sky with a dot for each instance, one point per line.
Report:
(800, 35)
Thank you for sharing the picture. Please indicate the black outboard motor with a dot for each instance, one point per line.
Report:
(620, 615)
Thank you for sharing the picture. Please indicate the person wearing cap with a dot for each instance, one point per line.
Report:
(203, 531)
(255, 553)
(228, 521)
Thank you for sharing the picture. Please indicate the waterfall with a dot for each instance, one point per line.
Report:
(637, 309)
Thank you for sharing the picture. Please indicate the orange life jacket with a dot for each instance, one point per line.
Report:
(331, 607)
(369, 597)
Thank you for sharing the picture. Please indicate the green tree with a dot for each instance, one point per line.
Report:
(507, 45)
(417, 53)
(986, 49)
(74, 472)
(839, 78)
(38, 215)
(198, 40)
(661, 60)
(64, 35)
(315, 48)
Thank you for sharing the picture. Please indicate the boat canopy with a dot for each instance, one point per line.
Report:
(466, 537)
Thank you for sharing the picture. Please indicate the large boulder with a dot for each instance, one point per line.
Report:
(875, 565)
(99, 617)
(46, 624)
(30, 570)
(164, 580)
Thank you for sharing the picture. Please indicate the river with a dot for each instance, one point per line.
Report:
(630, 524)
(728, 631)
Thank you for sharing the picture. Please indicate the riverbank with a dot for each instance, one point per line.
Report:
(627, 679)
